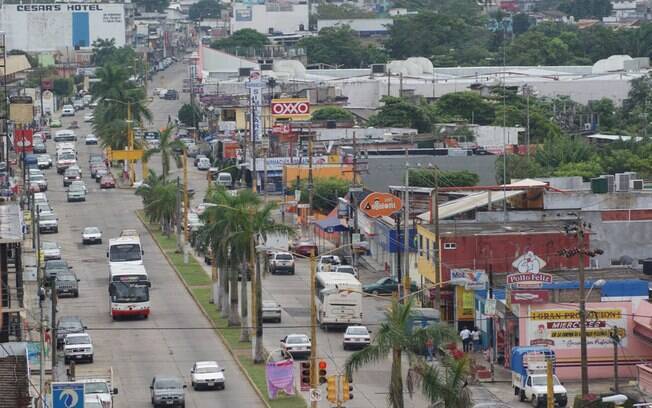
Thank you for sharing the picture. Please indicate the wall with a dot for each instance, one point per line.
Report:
(318, 171)
(600, 348)
(262, 17)
(30, 27)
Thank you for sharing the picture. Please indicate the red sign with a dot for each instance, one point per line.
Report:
(23, 140)
(528, 279)
(377, 205)
(288, 108)
(282, 129)
(529, 297)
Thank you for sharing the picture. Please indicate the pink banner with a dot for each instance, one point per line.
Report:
(280, 376)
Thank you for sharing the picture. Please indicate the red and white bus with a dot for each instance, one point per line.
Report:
(129, 291)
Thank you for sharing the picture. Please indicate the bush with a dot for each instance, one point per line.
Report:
(426, 178)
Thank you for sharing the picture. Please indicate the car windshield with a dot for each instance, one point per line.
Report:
(78, 340)
(48, 217)
(44, 157)
(124, 253)
(67, 156)
(297, 340)
(66, 277)
(49, 245)
(96, 388)
(91, 230)
(124, 292)
(346, 269)
(76, 187)
(357, 331)
(206, 369)
(69, 324)
(284, 257)
(270, 304)
(36, 177)
(167, 383)
(542, 381)
(328, 260)
(72, 173)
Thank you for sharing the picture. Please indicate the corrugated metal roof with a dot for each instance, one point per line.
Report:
(15, 64)
(11, 230)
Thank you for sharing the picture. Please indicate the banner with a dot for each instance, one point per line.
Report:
(280, 377)
(23, 140)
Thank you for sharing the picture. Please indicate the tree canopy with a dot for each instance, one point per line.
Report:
(342, 11)
(397, 112)
(205, 9)
(430, 178)
(340, 46)
(332, 113)
(245, 38)
(153, 5)
(189, 114)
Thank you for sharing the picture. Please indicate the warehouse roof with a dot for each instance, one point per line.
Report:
(16, 64)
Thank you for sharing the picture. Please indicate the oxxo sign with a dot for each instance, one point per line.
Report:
(290, 108)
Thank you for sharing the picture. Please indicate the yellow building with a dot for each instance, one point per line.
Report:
(340, 171)
(426, 254)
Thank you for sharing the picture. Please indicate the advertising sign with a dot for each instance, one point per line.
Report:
(23, 140)
(67, 395)
(291, 108)
(529, 273)
(528, 297)
(377, 205)
(465, 303)
(560, 328)
(472, 279)
(255, 85)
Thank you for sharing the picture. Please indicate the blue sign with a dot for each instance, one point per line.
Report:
(67, 395)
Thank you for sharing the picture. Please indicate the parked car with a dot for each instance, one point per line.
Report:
(50, 250)
(346, 269)
(271, 311)
(68, 110)
(305, 247)
(39, 147)
(100, 173)
(90, 139)
(167, 391)
(44, 161)
(67, 283)
(281, 262)
(171, 94)
(356, 337)
(77, 347)
(204, 163)
(91, 235)
(297, 345)
(385, 286)
(327, 263)
(107, 181)
(48, 222)
(54, 267)
(67, 325)
(207, 374)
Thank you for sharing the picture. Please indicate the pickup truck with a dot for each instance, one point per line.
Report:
(529, 376)
(98, 383)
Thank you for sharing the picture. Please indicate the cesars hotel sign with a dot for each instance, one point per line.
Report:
(58, 7)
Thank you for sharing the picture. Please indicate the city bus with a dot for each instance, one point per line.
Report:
(339, 299)
(128, 291)
(125, 250)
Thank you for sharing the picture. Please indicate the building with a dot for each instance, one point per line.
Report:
(14, 376)
(270, 18)
(364, 27)
(30, 27)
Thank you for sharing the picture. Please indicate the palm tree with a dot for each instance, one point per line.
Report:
(162, 205)
(444, 386)
(167, 147)
(397, 337)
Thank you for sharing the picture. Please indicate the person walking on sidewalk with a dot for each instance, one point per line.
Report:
(475, 337)
(430, 347)
(465, 334)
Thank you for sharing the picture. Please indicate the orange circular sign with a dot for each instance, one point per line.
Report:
(380, 205)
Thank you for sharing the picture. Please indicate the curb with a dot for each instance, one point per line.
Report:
(203, 311)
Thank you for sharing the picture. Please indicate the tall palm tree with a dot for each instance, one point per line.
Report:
(167, 147)
(162, 205)
(445, 385)
(397, 338)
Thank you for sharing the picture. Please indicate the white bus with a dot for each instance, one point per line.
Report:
(125, 250)
(128, 290)
(335, 306)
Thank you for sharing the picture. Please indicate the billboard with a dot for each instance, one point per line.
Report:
(29, 27)
(291, 108)
(23, 140)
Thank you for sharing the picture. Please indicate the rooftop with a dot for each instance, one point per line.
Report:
(476, 228)
(10, 224)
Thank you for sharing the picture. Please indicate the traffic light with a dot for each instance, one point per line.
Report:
(305, 375)
(347, 388)
(322, 371)
(331, 388)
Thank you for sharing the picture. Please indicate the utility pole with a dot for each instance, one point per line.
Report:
(550, 398)
(615, 337)
(178, 216)
(186, 203)
(310, 180)
(583, 348)
(130, 139)
(406, 229)
(53, 320)
(36, 236)
(313, 328)
(435, 214)
(399, 274)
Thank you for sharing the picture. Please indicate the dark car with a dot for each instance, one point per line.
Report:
(171, 94)
(101, 172)
(39, 147)
(67, 325)
(107, 181)
(167, 391)
(67, 283)
(54, 266)
(385, 286)
(69, 176)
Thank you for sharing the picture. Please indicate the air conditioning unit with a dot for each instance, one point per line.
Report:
(611, 183)
(636, 184)
(622, 182)
(377, 68)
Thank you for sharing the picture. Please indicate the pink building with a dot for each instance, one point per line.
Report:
(556, 325)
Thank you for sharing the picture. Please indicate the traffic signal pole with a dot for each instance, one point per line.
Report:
(313, 328)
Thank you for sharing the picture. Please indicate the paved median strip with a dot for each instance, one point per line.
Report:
(198, 285)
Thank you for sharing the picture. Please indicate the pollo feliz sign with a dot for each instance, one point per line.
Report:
(290, 108)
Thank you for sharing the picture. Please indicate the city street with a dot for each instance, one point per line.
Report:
(175, 335)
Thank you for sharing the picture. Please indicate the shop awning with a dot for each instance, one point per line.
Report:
(331, 224)
(643, 320)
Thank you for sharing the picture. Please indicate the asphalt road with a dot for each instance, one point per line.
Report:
(176, 333)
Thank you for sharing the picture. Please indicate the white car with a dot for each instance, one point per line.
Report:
(204, 163)
(351, 270)
(50, 250)
(91, 139)
(162, 92)
(271, 311)
(89, 117)
(79, 184)
(281, 262)
(207, 374)
(356, 337)
(68, 110)
(98, 390)
(77, 347)
(297, 345)
(91, 235)
(44, 161)
(327, 263)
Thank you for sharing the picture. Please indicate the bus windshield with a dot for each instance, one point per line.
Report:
(124, 253)
(122, 292)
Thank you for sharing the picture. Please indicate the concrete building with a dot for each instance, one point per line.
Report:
(365, 27)
(270, 18)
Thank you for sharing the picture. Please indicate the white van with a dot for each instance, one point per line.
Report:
(224, 179)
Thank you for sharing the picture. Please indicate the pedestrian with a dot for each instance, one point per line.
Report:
(475, 337)
(465, 334)
(430, 349)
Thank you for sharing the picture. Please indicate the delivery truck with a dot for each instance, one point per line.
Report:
(530, 379)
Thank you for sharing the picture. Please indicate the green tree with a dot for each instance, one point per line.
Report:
(245, 38)
(167, 146)
(468, 106)
(520, 23)
(63, 87)
(326, 11)
(398, 337)
(585, 169)
(586, 8)
(153, 5)
(103, 49)
(428, 178)
(560, 150)
(518, 167)
(326, 192)
(397, 112)
(339, 46)
(190, 115)
(204, 9)
(444, 385)
(332, 113)
(161, 204)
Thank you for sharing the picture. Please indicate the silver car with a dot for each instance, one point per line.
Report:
(50, 250)
(168, 391)
(76, 192)
(271, 311)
